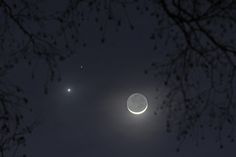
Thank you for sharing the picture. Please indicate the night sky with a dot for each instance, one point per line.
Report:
(92, 120)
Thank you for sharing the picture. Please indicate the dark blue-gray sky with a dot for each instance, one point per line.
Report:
(92, 121)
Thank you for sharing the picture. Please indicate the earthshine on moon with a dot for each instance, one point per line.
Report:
(137, 103)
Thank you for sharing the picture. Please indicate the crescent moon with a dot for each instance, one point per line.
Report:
(137, 103)
(138, 112)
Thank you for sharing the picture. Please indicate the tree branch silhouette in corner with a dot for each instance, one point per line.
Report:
(200, 71)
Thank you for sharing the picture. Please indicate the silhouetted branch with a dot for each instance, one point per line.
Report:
(200, 73)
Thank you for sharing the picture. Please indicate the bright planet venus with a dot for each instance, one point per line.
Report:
(68, 90)
(137, 103)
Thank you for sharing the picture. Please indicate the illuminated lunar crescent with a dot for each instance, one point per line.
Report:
(137, 103)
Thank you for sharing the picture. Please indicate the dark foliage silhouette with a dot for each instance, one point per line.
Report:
(32, 35)
(199, 71)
